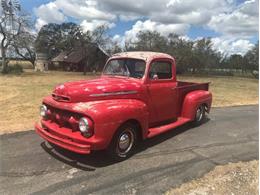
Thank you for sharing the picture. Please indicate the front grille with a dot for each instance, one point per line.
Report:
(63, 118)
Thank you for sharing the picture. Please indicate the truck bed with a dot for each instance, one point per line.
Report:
(185, 87)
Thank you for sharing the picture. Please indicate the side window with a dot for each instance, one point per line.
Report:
(160, 70)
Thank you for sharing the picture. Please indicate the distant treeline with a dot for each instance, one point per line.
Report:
(196, 56)
(192, 56)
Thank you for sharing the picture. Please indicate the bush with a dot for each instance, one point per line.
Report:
(15, 69)
(255, 73)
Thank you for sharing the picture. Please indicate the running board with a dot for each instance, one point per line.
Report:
(161, 129)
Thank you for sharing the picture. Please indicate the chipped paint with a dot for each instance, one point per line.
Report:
(87, 90)
(82, 106)
(143, 55)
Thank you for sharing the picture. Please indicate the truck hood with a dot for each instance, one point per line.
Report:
(96, 89)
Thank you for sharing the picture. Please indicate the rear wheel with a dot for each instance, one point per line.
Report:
(124, 142)
(199, 116)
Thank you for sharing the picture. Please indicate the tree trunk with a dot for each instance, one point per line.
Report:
(4, 63)
(85, 67)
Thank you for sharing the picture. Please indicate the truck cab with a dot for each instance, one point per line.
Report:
(136, 97)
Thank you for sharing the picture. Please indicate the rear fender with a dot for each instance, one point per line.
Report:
(193, 100)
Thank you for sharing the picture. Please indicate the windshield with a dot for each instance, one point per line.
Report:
(125, 67)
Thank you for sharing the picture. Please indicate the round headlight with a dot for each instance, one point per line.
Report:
(83, 125)
(43, 110)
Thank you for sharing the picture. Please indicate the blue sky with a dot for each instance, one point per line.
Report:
(232, 25)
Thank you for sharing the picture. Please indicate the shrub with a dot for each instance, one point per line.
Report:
(255, 73)
(15, 69)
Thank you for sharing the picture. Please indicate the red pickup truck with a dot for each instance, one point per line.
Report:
(136, 97)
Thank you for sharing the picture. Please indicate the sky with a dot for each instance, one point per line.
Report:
(231, 24)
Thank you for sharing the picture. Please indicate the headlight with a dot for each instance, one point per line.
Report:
(85, 127)
(43, 110)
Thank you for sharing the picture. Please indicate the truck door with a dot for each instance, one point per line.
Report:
(162, 91)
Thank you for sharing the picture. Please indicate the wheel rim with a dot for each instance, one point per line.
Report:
(125, 142)
(199, 114)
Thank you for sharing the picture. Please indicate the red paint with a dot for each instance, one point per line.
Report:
(108, 102)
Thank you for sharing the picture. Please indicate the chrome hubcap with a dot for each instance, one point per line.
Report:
(125, 142)
(199, 114)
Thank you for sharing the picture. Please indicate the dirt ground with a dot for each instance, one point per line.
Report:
(21, 95)
(235, 179)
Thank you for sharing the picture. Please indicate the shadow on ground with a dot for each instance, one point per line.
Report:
(99, 158)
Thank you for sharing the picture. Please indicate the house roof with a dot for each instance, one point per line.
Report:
(60, 57)
(75, 55)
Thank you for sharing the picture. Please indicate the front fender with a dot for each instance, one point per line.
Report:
(193, 100)
(108, 115)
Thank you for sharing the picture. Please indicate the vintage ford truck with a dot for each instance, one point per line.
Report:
(136, 97)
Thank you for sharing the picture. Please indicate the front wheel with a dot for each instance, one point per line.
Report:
(199, 116)
(124, 142)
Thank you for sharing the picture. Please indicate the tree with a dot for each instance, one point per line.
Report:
(91, 41)
(10, 26)
(252, 60)
(15, 28)
(148, 41)
(23, 46)
(114, 47)
(235, 61)
(54, 38)
(181, 49)
(207, 57)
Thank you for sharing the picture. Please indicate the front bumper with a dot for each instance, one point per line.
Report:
(62, 140)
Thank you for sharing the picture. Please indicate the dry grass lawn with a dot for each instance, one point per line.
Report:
(230, 91)
(24, 64)
(21, 95)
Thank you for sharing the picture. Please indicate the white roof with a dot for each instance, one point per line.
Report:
(144, 55)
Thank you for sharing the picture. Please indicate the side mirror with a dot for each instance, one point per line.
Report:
(155, 77)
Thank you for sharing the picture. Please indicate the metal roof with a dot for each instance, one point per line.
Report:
(144, 55)
(75, 55)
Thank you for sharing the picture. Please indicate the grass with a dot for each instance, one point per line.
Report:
(21, 95)
(229, 91)
(25, 64)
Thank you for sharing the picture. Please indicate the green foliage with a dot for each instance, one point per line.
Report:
(252, 58)
(195, 56)
(54, 38)
(15, 69)
(191, 56)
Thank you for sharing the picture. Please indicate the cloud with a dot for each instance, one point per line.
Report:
(242, 22)
(91, 25)
(231, 46)
(130, 36)
(191, 11)
(164, 29)
(236, 23)
(87, 12)
(169, 11)
(84, 9)
(47, 13)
